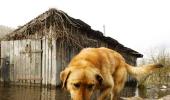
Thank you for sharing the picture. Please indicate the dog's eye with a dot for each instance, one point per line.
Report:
(77, 85)
(90, 86)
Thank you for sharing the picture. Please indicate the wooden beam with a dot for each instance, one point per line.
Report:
(37, 51)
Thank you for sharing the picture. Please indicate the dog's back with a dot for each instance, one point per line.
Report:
(105, 57)
(99, 57)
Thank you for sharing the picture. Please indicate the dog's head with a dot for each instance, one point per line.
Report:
(81, 82)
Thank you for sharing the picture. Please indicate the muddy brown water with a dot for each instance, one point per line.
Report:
(37, 93)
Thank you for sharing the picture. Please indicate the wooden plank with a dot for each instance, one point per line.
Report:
(2, 58)
(24, 60)
(8, 49)
(22, 63)
(44, 62)
(4, 61)
(7, 61)
(30, 79)
(19, 63)
(49, 61)
(32, 60)
(28, 64)
(35, 60)
(59, 62)
(15, 44)
(16, 60)
(37, 51)
(11, 45)
(29, 61)
(13, 61)
(49, 42)
(35, 56)
(54, 63)
(38, 61)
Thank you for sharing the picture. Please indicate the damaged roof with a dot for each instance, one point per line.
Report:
(53, 16)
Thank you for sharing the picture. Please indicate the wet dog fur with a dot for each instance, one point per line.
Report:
(100, 69)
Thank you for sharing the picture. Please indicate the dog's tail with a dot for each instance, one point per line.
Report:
(142, 71)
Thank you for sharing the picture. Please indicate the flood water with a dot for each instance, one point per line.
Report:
(37, 93)
(31, 93)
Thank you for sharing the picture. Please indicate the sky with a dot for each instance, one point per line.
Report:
(139, 24)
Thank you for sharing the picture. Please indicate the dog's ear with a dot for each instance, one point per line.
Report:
(64, 76)
(99, 78)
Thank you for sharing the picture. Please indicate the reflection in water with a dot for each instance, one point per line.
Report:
(37, 93)
(31, 93)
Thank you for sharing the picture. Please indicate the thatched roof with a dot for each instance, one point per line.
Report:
(54, 17)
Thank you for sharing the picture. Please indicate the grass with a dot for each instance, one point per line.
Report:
(162, 76)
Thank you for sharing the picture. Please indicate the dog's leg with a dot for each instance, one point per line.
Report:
(119, 80)
(107, 88)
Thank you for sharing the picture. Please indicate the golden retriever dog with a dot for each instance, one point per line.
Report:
(100, 69)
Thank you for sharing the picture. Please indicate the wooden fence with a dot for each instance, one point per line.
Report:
(21, 61)
(27, 62)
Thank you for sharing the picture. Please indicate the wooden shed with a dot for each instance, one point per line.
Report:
(37, 51)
